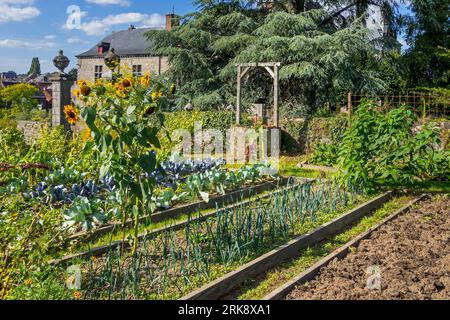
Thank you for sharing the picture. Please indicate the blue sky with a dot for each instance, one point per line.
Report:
(39, 28)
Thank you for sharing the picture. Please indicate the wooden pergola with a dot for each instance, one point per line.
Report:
(273, 69)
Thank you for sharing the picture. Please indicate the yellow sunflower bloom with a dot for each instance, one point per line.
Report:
(72, 114)
(77, 294)
(76, 93)
(86, 134)
(85, 90)
(146, 80)
(81, 83)
(156, 95)
(126, 82)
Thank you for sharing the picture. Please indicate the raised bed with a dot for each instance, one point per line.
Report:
(222, 286)
(339, 254)
(173, 213)
(283, 184)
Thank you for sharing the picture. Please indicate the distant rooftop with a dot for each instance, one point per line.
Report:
(125, 43)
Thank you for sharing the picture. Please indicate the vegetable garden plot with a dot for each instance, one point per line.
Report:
(409, 255)
(192, 208)
(172, 264)
(105, 243)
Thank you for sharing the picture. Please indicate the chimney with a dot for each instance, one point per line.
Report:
(170, 21)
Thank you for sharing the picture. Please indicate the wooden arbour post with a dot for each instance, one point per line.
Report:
(273, 69)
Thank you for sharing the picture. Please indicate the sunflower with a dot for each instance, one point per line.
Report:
(76, 93)
(77, 294)
(149, 111)
(146, 80)
(86, 134)
(156, 95)
(85, 90)
(121, 91)
(81, 83)
(72, 114)
(126, 82)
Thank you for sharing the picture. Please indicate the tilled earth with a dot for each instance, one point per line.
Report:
(412, 254)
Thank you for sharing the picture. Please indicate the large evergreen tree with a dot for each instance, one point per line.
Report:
(35, 68)
(320, 59)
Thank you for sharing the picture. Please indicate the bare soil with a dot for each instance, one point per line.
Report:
(412, 253)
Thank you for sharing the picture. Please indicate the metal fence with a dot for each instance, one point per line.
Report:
(424, 104)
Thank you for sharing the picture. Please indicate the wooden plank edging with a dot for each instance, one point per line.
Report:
(339, 254)
(225, 284)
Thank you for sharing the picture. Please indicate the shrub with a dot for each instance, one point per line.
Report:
(325, 154)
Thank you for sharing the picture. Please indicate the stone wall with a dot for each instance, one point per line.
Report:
(157, 65)
(299, 136)
(31, 129)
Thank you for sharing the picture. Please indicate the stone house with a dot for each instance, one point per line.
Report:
(133, 48)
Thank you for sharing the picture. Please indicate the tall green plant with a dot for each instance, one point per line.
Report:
(390, 148)
(119, 117)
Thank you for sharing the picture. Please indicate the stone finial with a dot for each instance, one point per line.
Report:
(61, 62)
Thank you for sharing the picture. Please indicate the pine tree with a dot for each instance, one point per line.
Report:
(320, 59)
(35, 68)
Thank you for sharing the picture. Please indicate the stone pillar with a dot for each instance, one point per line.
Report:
(62, 96)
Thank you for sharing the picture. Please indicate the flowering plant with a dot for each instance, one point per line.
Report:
(119, 117)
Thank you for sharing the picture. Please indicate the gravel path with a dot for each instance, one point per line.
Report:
(411, 253)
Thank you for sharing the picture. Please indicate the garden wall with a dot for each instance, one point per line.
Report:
(301, 135)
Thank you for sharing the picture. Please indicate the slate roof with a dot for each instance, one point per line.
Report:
(128, 42)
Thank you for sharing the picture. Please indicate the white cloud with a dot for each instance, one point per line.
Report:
(75, 40)
(101, 26)
(17, 10)
(30, 44)
(123, 3)
(154, 21)
(50, 37)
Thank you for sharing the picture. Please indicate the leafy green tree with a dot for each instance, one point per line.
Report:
(35, 67)
(427, 33)
(319, 60)
(74, 74)
(20, 95)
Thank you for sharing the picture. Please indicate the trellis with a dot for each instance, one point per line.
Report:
(273, 69)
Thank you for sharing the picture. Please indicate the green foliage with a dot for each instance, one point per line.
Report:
(74, 74)
(325, 155)
(20, 96)
(55, 146)
(27, 231)
(427, 61)
(125, 138)
(87, 213)
(384, 149)
(221, 121)
(12, 145)
(319, 61)
(35, 68)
